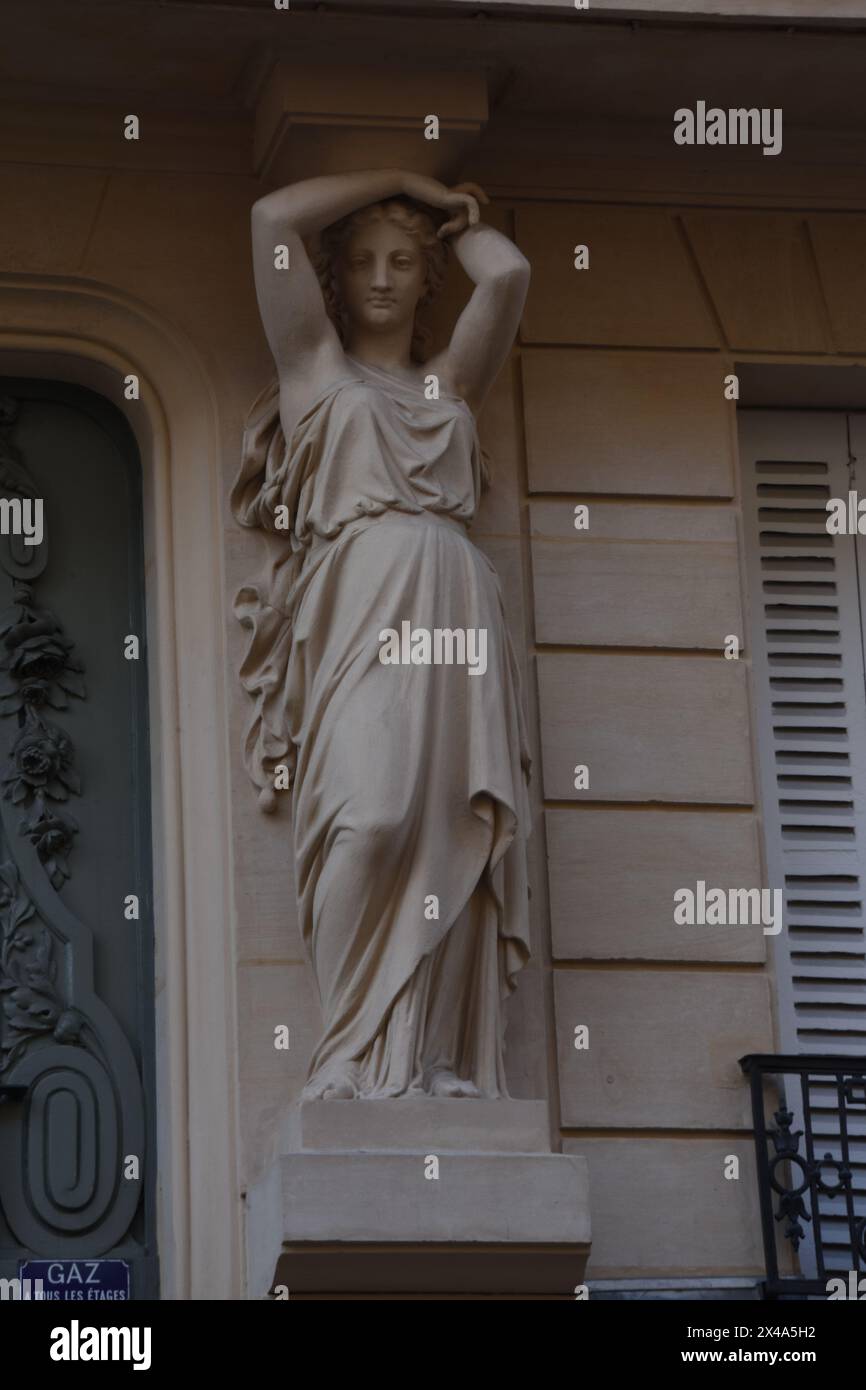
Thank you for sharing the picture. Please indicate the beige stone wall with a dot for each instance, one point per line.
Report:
(619, 395)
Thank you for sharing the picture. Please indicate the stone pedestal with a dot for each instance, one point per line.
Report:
(419, 1197)
(320, 120)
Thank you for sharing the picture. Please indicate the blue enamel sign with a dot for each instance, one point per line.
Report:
(79, 1281)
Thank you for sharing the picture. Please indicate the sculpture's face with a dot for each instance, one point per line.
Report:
(381, 274)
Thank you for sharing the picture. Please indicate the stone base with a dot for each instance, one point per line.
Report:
(431, 1123)
(355, 1212)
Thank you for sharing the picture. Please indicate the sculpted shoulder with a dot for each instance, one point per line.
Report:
(302, 385)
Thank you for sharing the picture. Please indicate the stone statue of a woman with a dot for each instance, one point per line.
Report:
(363, 468)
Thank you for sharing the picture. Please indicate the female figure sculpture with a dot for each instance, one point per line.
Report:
(363, 469)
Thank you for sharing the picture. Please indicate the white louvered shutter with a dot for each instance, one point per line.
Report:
(806, 623)
(806, 637)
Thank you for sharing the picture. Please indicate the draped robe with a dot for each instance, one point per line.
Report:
(410, 806)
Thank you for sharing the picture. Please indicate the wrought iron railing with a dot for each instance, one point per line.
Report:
(811, 1162)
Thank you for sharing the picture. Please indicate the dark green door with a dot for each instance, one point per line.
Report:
(77, 1150)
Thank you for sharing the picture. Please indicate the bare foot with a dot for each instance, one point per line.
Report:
(336, 1085)
(341, 1088)
(447, 1083)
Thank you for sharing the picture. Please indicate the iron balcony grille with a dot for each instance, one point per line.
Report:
(811, 1163)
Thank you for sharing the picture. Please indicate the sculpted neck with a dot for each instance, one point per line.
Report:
(389, 350)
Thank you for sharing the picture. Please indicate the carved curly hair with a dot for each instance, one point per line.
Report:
(411, 218)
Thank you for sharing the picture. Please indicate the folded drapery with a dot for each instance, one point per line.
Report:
(410, 806)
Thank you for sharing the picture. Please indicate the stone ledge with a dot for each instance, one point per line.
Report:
(372, 1223)
(406, 1271)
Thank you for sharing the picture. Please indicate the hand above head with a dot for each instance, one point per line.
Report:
(462, 200)
(468, 212)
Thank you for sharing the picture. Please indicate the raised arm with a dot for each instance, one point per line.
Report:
(292, 309)
(300, 334)
(485, 331)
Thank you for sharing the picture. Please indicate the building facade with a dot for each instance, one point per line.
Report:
(683, 399)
